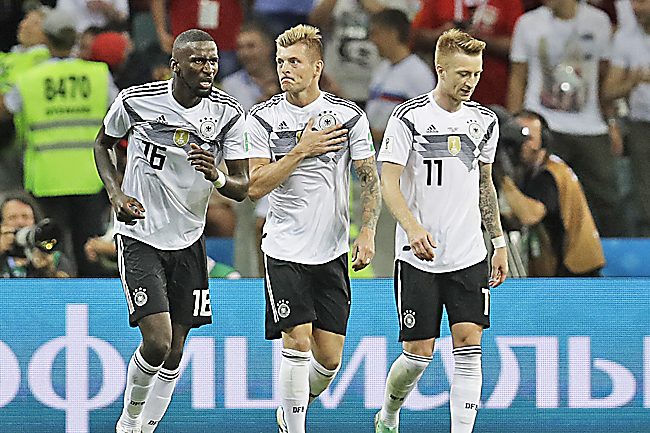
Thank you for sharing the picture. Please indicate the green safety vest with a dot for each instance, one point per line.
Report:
(64, 103)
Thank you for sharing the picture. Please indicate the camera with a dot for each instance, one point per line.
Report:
(512, 135)
(44, 236)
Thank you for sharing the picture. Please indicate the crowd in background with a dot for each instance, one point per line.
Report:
(585, 67)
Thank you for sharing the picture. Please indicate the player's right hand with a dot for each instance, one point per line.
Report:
(422, 244)
(127, 209)
(313, 142)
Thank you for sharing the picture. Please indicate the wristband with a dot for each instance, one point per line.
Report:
(499, 242)
(221, 179)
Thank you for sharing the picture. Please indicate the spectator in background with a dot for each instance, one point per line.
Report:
(98, 13)
(86, 41)
(282, 14)
(18, 211)
(220, 19)
(350, 57)
(30, 51)
(492, 21)
(128, 67)
(559, 60)
(30, 33)
(629, 77)
(60, 104)
(400, 76)
(257, 80)
(547, 197)
(11, 13)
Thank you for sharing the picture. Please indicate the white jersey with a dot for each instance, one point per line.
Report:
(563, 58)
(393, 84)
(308, 218)
(440, 152)
(631, 50)
(159, 131)
(241, 86)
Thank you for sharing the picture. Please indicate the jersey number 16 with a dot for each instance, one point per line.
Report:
(155, 155)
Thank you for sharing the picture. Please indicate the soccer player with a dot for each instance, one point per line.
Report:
(178, 132)
(302, 143)
(437, 155)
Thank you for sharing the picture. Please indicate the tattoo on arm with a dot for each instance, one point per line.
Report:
(488, 202)
(370, 191)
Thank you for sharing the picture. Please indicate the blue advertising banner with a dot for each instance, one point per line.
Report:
(570, 355)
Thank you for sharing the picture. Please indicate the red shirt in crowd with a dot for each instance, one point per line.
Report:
(186, 14)
(492, 18)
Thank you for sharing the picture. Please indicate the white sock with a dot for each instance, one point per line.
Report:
(402, 378)
(294, 388)
(159, 399)
(319, 379)
(465, 388)
(139, 380)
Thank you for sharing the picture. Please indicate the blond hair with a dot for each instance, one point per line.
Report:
(303, 34)
(456, 41)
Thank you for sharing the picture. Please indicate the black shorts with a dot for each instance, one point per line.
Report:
(298, 294)
(157, 281)
(421, 295)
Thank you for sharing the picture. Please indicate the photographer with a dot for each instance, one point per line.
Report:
(27, 242)
(545, 195)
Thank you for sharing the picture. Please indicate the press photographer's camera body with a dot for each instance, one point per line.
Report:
(43, 236)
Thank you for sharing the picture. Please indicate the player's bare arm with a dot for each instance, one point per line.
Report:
(266, 176)
(489, 207)
(420, 240)
(363, 249)
(236, 180)
(126, 208)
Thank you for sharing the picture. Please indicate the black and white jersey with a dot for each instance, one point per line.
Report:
(440, 152)
(308, 218)
(159, 132)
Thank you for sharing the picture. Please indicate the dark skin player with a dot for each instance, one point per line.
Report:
(194, 66)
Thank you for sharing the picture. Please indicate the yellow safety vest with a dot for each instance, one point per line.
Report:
(12, 66)
(64, 103)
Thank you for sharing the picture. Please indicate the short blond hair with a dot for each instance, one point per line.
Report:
(303, 34)
(456, 41)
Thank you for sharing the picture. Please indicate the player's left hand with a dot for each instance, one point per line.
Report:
(203, 161)
(499, 267)
(363, 249)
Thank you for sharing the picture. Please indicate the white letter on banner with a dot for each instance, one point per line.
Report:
(623, 383)
(236, 376)
(547, 360)
(417, 401)
(9, 374)
(371, 351)
(646, 371)
(76, 344)
(200, 351)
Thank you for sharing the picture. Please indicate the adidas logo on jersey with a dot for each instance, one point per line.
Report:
(431, 129)
(161, 119)
(283, 125)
